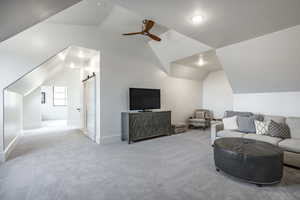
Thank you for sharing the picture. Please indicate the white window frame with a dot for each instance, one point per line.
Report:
(65, 94)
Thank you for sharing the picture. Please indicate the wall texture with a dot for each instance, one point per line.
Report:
(217, 93)
(32, 116)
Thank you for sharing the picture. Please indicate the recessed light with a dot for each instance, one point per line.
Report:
(80, 54)
(201, 62)
(72, 66)
(99, 4)
(197, 19)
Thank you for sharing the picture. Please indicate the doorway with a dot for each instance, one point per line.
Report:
(53, 97)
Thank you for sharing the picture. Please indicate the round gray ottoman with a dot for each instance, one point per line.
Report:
(253, 161)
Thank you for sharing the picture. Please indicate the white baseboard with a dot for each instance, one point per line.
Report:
(110, 139)
(4, 155)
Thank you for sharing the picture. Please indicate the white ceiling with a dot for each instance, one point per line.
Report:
(189, 68)
(86, 12)
(35, 78)
(225, 21)
(44, 72)
(210, 59)
(16, 15)
(175, 46)
(266, 64)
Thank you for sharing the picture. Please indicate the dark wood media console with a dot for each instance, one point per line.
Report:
(143, 125)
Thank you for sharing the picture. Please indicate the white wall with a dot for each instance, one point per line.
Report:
(69, 78)
(279, 103)
(130, 62)
(217, 93)
(49, 111)
(269, 63)
(32, 115)
(13, 106)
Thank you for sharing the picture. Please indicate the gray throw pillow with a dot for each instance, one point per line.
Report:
(279, 130)
(246, 124)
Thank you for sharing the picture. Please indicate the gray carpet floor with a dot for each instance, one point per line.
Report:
(65, 165)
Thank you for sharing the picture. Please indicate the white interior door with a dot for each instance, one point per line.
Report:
(90, 107)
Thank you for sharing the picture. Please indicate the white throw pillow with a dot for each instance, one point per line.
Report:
(230, 123)
(261, 127)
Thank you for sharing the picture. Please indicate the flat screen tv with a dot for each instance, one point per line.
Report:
(144, 99)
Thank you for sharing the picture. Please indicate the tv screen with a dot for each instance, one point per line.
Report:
(143, 99)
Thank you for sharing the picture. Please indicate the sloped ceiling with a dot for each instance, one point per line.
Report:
(225, 21)
(16, 15)
(266, 64)
(78, 56)
(175, 46)
(35, 78)
(87, 12)
(190, 68)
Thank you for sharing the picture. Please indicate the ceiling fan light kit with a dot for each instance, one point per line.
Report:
(147, 26)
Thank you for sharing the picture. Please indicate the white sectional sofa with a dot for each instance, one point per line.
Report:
(290, 146)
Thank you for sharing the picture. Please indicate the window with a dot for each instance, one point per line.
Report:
(60, 96)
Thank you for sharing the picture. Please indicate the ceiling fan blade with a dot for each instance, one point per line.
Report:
(154, 37)
(135, 33)
(148, 25)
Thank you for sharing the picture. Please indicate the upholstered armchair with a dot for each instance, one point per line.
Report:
(200, 119)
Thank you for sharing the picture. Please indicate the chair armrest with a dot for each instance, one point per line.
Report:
(215, 128)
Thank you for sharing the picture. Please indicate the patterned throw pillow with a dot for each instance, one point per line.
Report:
(279, 130)
(261, 127)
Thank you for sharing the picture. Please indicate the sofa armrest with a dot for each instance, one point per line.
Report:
(215, 128)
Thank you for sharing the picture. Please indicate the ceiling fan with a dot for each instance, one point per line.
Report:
(147, 25)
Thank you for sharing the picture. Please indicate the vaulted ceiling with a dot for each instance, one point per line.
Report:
(225, 21)
(241, 32)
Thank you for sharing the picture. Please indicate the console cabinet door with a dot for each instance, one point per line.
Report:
(161, 123)
(140, 126)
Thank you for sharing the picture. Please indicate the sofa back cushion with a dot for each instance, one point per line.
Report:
(278, 119)
(246, 124)
(230, 113)
(294, 125)
(230, 123)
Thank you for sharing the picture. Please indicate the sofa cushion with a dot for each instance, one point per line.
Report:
(246, 124)
(292, 145)
(278, 119)
(294, 125)
(230, 123)
(280, 130)
(230, 113)
(263, 138)
(261, 127)
(229, 133)
(197, 120)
